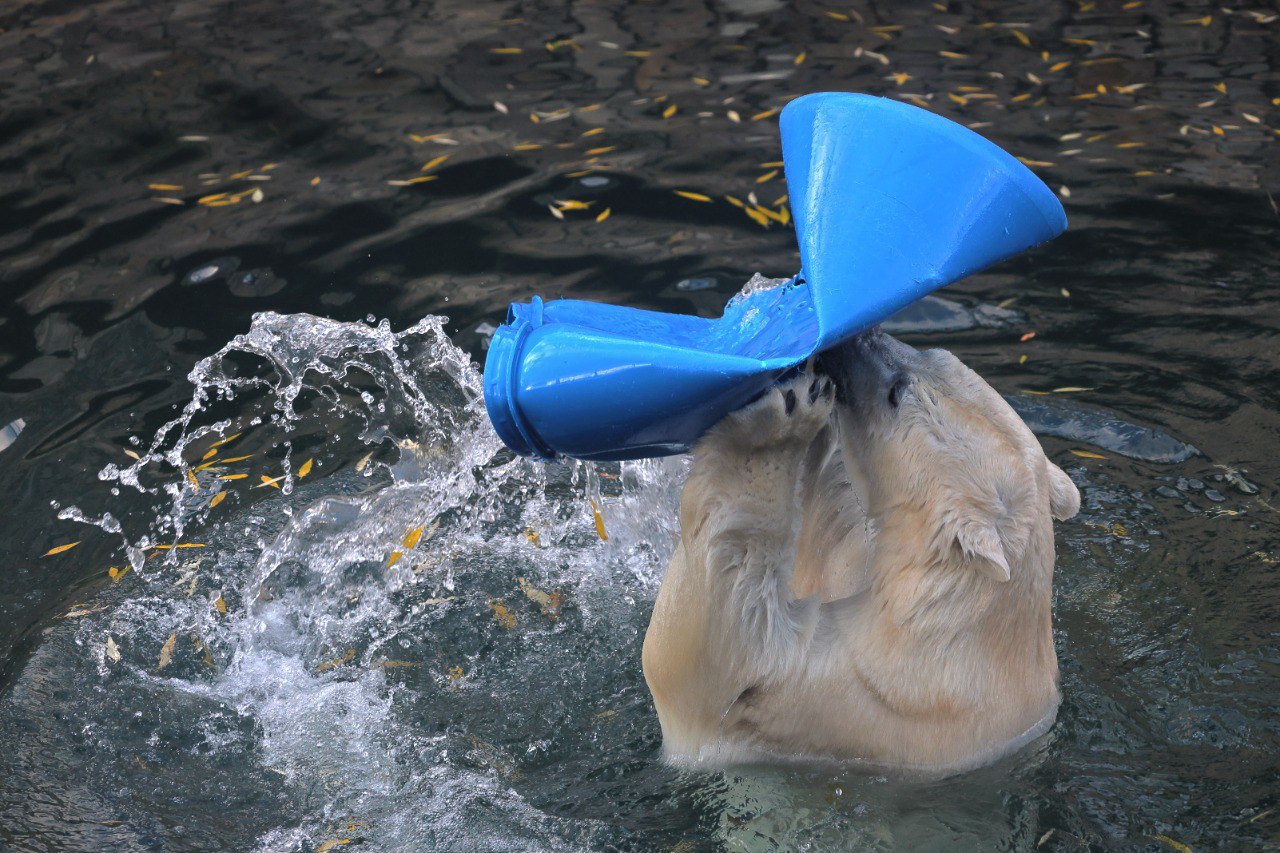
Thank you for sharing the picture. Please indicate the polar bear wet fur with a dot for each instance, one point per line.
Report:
(864, 572)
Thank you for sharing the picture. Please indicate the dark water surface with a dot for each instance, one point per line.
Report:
(169, 170)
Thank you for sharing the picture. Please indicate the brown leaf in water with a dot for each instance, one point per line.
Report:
(166, 651)
(60, 548)
(501, 614)
(604, 537)
(347, 657)
(549, 602)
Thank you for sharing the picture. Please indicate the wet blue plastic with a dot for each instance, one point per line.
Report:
(890, 203)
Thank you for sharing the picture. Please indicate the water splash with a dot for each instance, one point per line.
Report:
(371, 634)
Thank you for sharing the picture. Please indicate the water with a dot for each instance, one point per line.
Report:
(431, 700)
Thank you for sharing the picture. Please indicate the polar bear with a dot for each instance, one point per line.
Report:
(864, 573)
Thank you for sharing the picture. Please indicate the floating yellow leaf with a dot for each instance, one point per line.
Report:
(395, 664)
(604, 537)
(692, 196)
(733, 116)
(1022, 359)
(1070, 389)
(800, 57)
(757, 217)
(1022, 37)
(226, 440)
(767, 176)
(1204, 22)
(951, 54)
(1084, 454)
(549, 602)
(839, 16)
(112, 650)
(327, 846)
(1176, 845)
(337, 662)
(669, 111)
(593, 131)
(181, 545)
(506, 50)
(526, 146)
(1081, 42)
(455, 673)
(1131, 144)
(304, 469)
(501, 614)
(166, 651)
(420, 179)
(220, 605)
(431, 164)
(555, 211)
(273, 482)
(315, 181)
(604, 214)
(766, 114)
(531, 535)
(232, 476)
(59, 549)
(638, 54)
(411, 538)
(364, 460)
(115, 574)
(900, 77)
(1058, 66)
(394, 558)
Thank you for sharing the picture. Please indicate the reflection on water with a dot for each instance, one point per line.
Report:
(167, 171)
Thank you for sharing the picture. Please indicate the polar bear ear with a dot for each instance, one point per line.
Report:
(1064, 497)
(980, 543)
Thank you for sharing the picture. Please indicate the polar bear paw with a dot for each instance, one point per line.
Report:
(788, 417)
